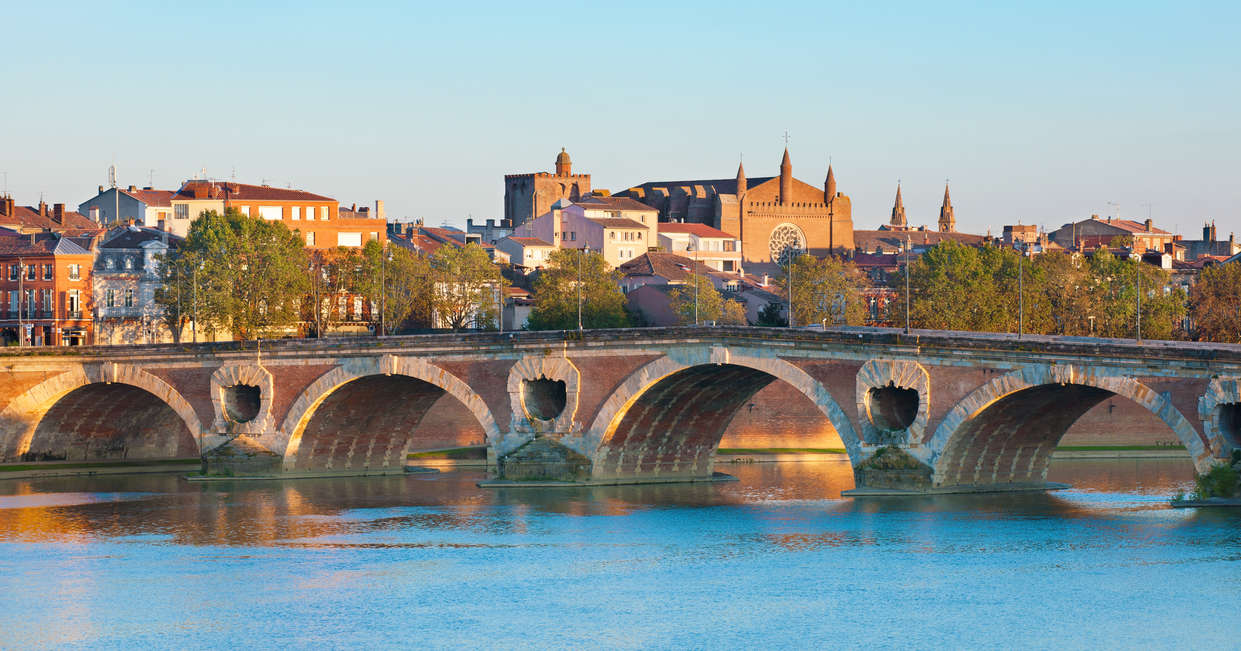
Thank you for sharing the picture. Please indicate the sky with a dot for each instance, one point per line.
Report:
(1037, 112)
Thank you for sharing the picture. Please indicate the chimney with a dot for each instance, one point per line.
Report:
(379, 209)
(58, 213)
(1206, 232)
(42, 208)
(6, 206)
(133, 188)
(1149, 226)
(764, 280)
(101, 189)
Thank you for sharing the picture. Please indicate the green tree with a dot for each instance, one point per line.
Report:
(251, 274)
(956, 287)
(1215, 304)
(399, 283)
(772, 315)
(331, 278)
(465, 285)
(1114, 298)
(828, 291)
(697, 301)
(556, 293)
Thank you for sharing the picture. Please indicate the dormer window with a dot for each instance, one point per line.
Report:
(109, 263)
(129, 263)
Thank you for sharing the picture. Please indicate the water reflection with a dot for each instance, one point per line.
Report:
(776, 559)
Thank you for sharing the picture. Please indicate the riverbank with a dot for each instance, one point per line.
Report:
(88, 468)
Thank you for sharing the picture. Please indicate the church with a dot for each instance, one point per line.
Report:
(773, 216)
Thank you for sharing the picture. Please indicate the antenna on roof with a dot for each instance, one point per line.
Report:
(112, 175)
(151, 178)
(233, 177)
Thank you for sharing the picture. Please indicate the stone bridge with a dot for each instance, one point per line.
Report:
(924, 410)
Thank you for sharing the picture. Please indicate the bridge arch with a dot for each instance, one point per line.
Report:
(1005, 431)
(362, 413)
(114, 408)
(667, 418)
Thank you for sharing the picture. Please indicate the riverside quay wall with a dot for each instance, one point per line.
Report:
(922, 410)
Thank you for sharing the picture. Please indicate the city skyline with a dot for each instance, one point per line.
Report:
(1038, 116)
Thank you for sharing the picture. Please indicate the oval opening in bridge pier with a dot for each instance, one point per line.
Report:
(241, 402)
(1230, 420)
(544, 399)
(892, 408)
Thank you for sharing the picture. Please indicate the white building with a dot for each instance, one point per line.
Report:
(710, 246)
(529, 253)
(123, 285)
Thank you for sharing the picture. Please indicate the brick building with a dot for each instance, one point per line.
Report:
(1099, 232)
(527, 196)
(318, 218)
(45, 289)
(43, 218)
(773, 216)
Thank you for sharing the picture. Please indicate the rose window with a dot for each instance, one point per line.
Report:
(786, 241)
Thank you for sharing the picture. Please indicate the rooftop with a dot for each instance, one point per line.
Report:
(233, 191)
(699, 230)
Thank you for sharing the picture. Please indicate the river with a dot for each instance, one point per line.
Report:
(776, 560)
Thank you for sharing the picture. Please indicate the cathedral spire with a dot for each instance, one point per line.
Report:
(786, 178)
(947, 221)
(898, 210)
(829, 186)
(741, 182)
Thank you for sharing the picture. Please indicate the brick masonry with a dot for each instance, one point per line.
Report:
(649, 403)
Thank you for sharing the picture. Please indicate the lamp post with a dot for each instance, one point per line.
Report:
(21, 297)
(1137, 285)
(194, 323)
(907, 246)
(383, 291)
(693, 275)
(1021, 294)
(791, 257)
(499, 297)
(579, 288)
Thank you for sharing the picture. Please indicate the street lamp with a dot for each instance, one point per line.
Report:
(1021, 294)
(693, 276)
(1137, 285)
(907, 246)
(580, 251)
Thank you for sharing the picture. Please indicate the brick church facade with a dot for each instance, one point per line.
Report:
(772, 216)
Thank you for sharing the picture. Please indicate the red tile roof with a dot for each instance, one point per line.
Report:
(530, 241)
(591, 202)
(152, 198)
(701, 230)
(669, 266)
(29, 217)
(244, 192)
(612, 222)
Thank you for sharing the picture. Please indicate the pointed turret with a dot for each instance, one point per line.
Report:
(898, 211)
(947, 221)
(829, 186)
(741, 183)
(786, 178)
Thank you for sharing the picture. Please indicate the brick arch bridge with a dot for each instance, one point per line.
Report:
(964, 410)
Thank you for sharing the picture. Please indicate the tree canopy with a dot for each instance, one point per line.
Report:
(698, 301)
(556, 293)
(827, 290)
(251, 275)
(1215, 304)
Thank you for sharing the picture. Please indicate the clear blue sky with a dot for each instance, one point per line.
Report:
(1039, 113)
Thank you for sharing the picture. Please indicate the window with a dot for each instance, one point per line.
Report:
(110, 298)
(349, 239)
(730, 245)
(297, 213)
(75, 272)
(357, 308)
(47, 272)
(310, 239)
(14, 271)
(109, 263)
(271, 213)
(181, 211)
(323, 213)
(639, 236)
(47, 301)
(74, 304)
(31, 271)
(129, 298)
(612, 235)
(129, 263)
(573, 235)
(374, 236)
(245, 210)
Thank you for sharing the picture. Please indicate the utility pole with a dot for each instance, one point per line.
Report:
(694, 276)
(194, 323)
(383, 291)
(499, 298)
(791, 255)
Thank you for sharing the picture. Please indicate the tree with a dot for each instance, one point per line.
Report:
(1215, 304)
(556, 293)
(332, 275)
(465, 286)
(1115, 298)
(398, 283)
(772, 315)
(175, 294)
(734, 313)
(250, 275)
(827, 290)
(697, 301)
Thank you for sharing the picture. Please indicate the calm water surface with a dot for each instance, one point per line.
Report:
(776, 559)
